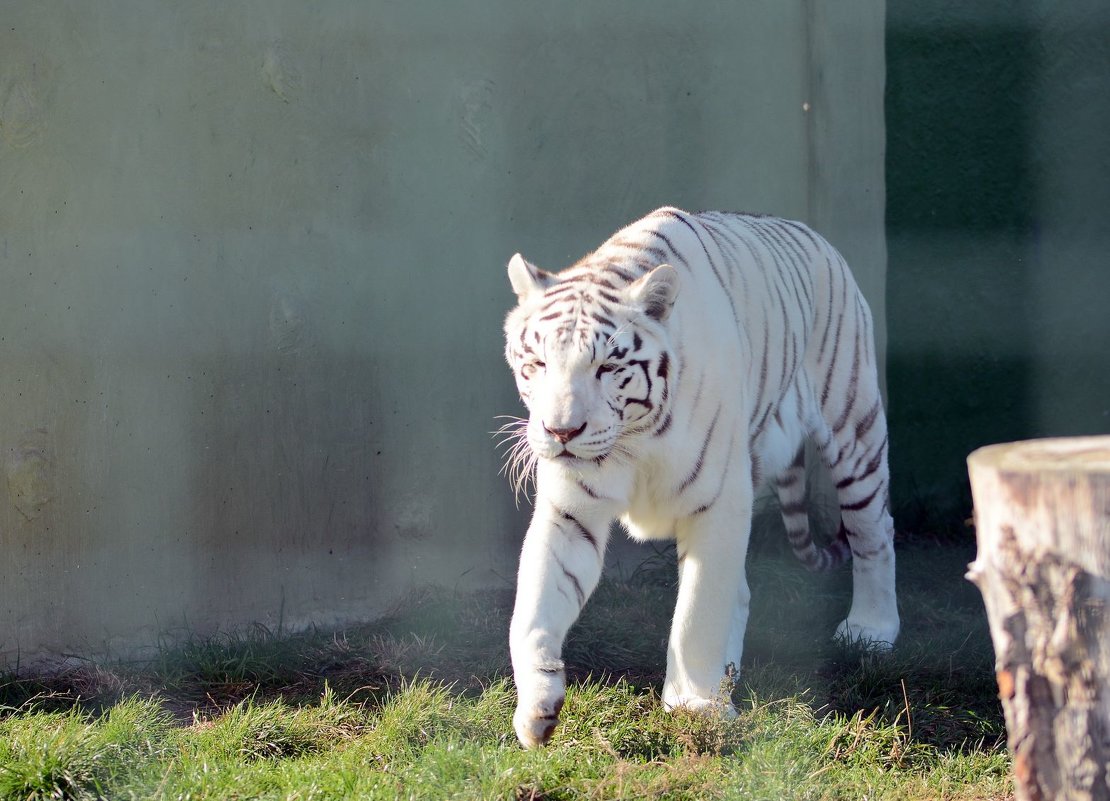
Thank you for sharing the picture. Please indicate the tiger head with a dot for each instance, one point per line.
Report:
(591, 356)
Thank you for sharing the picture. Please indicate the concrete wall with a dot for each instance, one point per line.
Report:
(252, 272)
(998, 187)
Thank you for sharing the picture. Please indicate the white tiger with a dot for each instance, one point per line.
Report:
(667, 376)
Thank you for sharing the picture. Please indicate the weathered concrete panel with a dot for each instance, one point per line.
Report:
(252, 260)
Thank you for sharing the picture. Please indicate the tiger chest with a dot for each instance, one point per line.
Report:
(654, 506)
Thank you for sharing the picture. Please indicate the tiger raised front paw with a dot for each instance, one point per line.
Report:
(540, 696)
(535, 723)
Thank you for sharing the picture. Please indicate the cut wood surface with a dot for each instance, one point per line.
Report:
(1042, 517)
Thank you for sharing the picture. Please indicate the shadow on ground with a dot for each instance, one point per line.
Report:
(938, 683)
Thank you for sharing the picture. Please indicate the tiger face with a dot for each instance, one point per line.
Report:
(591, 357)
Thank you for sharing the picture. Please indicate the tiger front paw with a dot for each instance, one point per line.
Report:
(535, 723)
(718, 707)
(540, 696)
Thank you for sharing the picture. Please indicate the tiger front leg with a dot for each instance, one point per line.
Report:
(712, 607)
(560, 564)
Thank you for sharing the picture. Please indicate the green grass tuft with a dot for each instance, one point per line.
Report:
(70, 755)
(276, 730)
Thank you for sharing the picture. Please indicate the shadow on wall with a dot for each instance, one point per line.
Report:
(994, 254)
(970, 234)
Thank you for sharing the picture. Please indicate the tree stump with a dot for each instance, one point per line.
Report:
(1042, 520)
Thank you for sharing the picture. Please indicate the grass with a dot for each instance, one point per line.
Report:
(418, 705)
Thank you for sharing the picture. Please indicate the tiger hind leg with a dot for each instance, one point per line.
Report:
(856, 454)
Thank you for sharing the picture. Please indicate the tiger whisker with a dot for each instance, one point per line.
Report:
(519, 460)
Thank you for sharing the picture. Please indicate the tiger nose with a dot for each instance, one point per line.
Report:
(564, 435)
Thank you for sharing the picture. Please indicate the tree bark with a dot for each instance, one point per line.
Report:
(1042, 519)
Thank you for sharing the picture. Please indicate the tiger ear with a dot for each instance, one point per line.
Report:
(655, 293)
(527, 279)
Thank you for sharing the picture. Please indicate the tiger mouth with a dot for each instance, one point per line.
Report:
(567, 456)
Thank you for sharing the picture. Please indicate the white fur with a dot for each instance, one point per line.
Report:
(708, 312)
